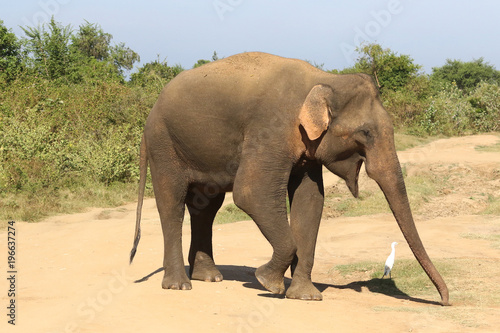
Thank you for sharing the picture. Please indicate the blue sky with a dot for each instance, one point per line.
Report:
(323, 31)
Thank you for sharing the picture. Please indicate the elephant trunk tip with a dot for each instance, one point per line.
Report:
(445, 296)
(445, 302)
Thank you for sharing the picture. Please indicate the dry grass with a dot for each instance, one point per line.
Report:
(230, 213)
(34, 207)
(491, 149)
(405, 141)
(472, 282)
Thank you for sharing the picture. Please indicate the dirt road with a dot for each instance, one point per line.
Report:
(73, 273)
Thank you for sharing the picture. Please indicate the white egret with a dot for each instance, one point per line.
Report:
(390, 261)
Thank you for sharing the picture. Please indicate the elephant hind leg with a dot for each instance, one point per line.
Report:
(170, 193)
(202, 212)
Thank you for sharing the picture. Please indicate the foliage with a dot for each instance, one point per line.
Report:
(155, 73)
(54, 140)
(92, 41)
(56, 52)
(51, 57)
(466, 75)
(406, 104)
(10, 54)
(485, 100)
(124, 57)
(201, 62)
(390, 70)
(449, 113)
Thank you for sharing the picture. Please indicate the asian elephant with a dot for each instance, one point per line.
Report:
(262, 126)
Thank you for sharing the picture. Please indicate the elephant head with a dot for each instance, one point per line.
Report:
(344, 125)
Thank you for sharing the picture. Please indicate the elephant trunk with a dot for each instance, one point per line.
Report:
(383, 166)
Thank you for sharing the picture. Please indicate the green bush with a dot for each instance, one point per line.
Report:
(406, 105)
(449, 113)
(10, 54)
(485, 100)
(156, 74)
(466, 75)
(61, 136)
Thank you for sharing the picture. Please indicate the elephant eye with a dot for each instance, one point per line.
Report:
(364, 135)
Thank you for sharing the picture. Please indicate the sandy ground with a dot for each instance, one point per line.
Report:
(73, 272)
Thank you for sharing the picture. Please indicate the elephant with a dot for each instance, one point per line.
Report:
(263, 127)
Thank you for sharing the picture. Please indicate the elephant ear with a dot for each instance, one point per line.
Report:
(315, 112)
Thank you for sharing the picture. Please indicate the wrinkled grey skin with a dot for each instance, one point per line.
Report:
(263, 126)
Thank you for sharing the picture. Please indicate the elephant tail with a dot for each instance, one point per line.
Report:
(143, 170)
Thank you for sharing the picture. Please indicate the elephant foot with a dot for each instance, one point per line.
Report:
(176, 282)
(271, 279)
(303, 290)
(207, 275)
(204, 269)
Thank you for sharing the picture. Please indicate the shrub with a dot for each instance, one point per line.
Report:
(10, 54)
(156, 73)
(485, 100)
(449, 113)
(466, 75)
(406, 105)
(62, 136)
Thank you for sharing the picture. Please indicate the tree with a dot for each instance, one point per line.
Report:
(10, 54)
(390, 70)
(92, 41)
(201, 62)
(124, 57)
(466, 75)
(370, 60)
(56, 52)
(155, 72)
(50, 49)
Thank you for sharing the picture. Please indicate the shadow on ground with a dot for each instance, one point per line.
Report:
(381, 286)
(246, 275)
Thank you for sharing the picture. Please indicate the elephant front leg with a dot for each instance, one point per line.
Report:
(306, 194)
(260, 191)
(201, 261)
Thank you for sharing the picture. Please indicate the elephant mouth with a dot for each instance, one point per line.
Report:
(353, 186)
